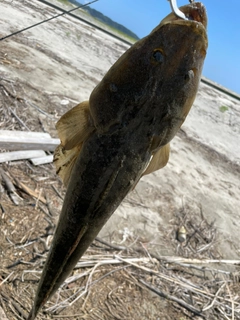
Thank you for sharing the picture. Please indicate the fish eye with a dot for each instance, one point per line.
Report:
(158, 55)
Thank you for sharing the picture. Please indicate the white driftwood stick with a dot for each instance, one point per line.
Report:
(26, 140)
(24, 134)
(198, 261)
(21, 155)
(42, 160)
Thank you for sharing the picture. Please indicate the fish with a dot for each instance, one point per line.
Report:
(122, 133)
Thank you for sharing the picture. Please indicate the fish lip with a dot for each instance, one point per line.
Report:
(198, 27)
(195, 13)
(197, 20)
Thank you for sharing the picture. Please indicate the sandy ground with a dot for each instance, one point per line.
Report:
(59, 63)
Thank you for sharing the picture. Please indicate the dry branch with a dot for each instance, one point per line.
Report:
(30, 191)
(199, 261)
(21, 155)
(25, 140)
(42, 160)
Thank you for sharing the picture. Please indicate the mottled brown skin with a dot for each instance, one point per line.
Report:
(136, 109)
(165, 90)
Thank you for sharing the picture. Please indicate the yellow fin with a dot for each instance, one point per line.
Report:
(64, 161)
(159, 160)
(75, 126)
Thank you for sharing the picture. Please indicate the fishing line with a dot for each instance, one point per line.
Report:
(46, 20)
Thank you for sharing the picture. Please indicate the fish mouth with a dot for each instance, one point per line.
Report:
(194, 12)
(196, 20)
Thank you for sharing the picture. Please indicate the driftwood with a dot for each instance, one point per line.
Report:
(21, 155)
(21, 140)
(42, 160)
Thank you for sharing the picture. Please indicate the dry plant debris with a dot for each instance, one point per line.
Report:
(112, 280)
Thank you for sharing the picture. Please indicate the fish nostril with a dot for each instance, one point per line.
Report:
(113, 87)
(189, 75)
(158, 56)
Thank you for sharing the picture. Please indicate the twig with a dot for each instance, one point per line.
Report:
(16, 263)
(173, 280)
(202, 268)
(14, 311)
(39, 109)
(8, 92)
(61, 305)
(8, 183)
(75, 316)
(19, 120)
(29, 191)
(2, 314)
(88, 284)
(10, 188)
(38, 198)
(19, 309)
(122, 248)
(117, 260)
(44, 210)
(14, 96)
(57, 192)
(75, 278)
(26, 244)
(147, 252)
(12, 303)
(49, 206)
(1, 283)
(214, 299)
(5, 79)
(230, 295)
(174, 299)
(198, 261)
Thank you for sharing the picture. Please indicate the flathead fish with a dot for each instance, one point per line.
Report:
(123, 132)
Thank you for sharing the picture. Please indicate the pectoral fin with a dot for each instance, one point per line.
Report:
(159, 160)
(74, 127)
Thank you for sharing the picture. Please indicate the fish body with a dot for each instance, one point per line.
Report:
(122, 133)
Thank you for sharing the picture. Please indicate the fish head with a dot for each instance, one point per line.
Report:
(160, 73)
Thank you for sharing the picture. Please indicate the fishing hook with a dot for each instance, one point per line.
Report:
(175, 9)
